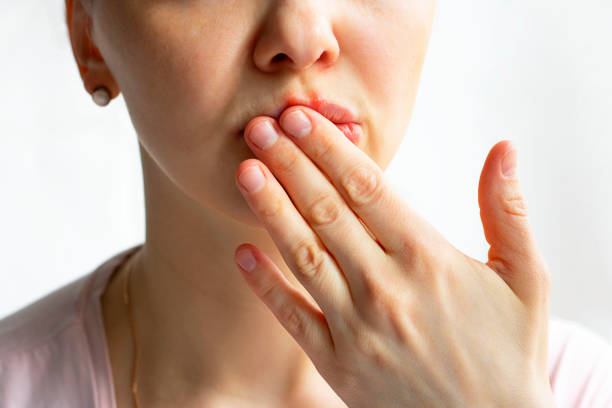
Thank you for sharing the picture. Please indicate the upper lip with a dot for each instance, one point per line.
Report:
(335, 112)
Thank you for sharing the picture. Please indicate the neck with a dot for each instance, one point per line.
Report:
(201, 330)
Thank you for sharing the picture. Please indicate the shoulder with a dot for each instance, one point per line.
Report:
(53, 349)
(41, 348)
(580, 365)
(41, 320)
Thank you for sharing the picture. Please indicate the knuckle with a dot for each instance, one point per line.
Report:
(321, 150)
(287, 162)
(271, 208)
(323, 211)
(425, 255)
(410, 248)
(416, 258)
(363, 185)
(372, 288)
(308, 258)
(371, 347)
(514, 203)
(447, 280)
(269, 291)
(379, 299)
(379, 304)
(293, 320)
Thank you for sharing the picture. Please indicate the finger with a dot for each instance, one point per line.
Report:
(299, 246)
(318, 201)
(303, 320)
(360, 181)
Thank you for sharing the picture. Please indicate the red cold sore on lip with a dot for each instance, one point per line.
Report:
(333, 112)
(342, 117)
(351, 130)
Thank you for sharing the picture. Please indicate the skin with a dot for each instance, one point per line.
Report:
(206, 337)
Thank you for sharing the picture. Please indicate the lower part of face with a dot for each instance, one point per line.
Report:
(192, 72)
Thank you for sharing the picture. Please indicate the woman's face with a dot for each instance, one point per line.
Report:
(194, 73)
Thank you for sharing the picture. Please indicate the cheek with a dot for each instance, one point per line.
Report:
(387, 53)
(176, 87)
(173, 81)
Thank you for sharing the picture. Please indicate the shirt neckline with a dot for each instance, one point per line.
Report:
(95, 333)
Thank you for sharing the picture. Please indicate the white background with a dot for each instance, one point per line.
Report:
(536, 72)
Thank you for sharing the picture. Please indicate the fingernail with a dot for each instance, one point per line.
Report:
(246, 260)
(296, 124)
(263, 135)
(252, 179)
(509, 163)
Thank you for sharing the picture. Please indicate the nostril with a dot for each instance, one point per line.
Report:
(279, 57)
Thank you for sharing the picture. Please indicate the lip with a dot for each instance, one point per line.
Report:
(336, 113)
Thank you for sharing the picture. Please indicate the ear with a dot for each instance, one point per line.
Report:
(90, 62)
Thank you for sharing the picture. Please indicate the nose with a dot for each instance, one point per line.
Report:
(296, 34)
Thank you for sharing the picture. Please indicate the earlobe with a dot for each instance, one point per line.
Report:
(90, 61)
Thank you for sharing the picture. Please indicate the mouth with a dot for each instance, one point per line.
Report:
(343, 117)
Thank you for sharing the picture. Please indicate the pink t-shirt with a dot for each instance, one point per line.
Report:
(53, 352)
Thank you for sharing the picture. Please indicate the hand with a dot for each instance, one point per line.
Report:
(405, 319)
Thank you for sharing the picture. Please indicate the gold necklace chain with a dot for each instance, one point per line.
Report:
(126, 300)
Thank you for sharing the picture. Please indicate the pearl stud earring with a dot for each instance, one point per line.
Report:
(101, 96)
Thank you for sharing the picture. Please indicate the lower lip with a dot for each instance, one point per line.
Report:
(351, 130)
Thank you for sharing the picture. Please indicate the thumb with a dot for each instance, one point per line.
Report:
(513, 251)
